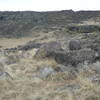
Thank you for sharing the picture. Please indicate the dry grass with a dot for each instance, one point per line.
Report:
(13, 42)
(27, 88)
(59, 86)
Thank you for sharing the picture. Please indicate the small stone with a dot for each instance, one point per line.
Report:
(45, 72)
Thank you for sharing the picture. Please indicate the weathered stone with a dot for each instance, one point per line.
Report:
(48, 50)
(74, 45)
(66, 58)
(81, 56)
(75, 57)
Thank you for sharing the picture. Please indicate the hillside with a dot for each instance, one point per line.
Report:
(19, 24)
(50, 55)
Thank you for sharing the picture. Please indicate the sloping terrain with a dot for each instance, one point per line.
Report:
(19, 24)
(50, 55)
(54, 70)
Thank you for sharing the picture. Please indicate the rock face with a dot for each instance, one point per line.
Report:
(53, 50)
(74, 45)
(75, 57)
(83, 55)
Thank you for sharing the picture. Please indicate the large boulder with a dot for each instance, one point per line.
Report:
(75, 57)
(74, 45)
(48, 50)
(93, 44)
(81, 56)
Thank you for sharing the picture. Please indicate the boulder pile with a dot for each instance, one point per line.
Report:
(80, 51)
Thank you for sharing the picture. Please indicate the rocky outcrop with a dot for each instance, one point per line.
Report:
(53, 50)
(75, 57)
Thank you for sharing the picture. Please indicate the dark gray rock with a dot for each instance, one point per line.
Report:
(10, 49)
(91, 43)
(66, 58)
(80, 56)
(48, 50)
(75, 57)
(74, 45)
(94, 45)
(85, 43)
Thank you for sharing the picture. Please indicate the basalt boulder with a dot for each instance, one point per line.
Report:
(75, 57)
(48, 50)
(74, 45)
(30, 45)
